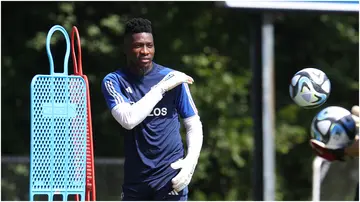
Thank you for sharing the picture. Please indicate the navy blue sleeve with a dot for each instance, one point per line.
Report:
(110, 88)
(184, 102)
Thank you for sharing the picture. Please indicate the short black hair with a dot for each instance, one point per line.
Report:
(138, 25)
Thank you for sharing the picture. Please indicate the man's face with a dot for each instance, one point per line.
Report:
(140, 50)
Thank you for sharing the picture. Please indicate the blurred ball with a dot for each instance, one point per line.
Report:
(309, 88)
(334, 126)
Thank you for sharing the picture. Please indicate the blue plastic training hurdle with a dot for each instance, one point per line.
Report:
(58, 131)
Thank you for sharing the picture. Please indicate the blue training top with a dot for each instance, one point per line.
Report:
(155, 143)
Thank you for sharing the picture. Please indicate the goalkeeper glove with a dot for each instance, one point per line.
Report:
(183, 178)
(173, 79)
(326, 153)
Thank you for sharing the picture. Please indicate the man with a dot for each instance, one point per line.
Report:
(147, 100)
(343, 153)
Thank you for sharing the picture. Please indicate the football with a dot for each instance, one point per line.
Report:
(309, 88)
(333, 126)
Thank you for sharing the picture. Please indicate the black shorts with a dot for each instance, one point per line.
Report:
(143, 192)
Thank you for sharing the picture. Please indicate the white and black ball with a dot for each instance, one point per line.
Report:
(310, 88)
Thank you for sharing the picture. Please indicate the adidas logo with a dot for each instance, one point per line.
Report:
(128, 89)
(173, 192)
(169, 76)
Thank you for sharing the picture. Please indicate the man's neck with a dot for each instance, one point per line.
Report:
(137, 71)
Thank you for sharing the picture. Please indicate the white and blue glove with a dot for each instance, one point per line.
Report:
(183, 178)
(173, 79)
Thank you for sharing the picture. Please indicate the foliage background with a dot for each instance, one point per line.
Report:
(207, 41)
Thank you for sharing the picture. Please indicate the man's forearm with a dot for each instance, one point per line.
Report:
(194, 136)
(130, 116)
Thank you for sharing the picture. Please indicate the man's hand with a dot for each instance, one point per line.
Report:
(326, 153)
(173, 79)
(355, 110)
(183, 178)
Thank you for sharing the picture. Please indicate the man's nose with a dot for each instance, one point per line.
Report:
(144, 50)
